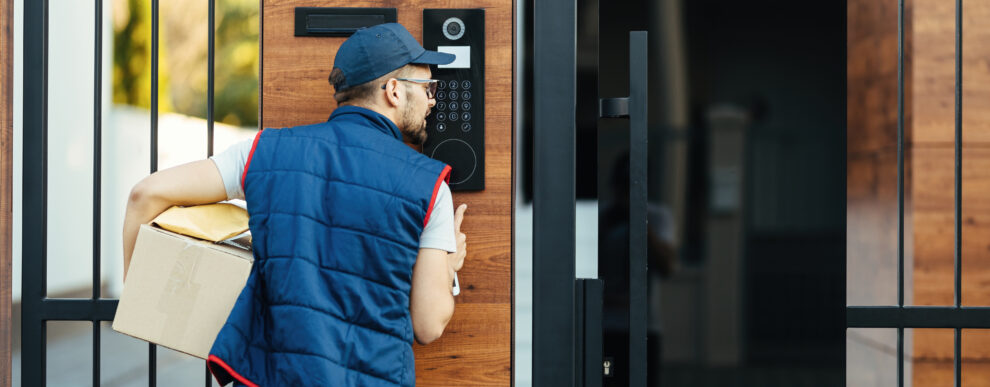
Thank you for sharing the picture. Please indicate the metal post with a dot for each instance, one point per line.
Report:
(35, 156)
(637, 207)
(554, 96)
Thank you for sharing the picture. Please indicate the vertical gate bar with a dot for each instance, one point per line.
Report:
(900, 186)
(958, 155)
(34, 192)
(957, 277)
(152, 355)
(637, 208)
(210, 79)
(97, 173)
(554, 139)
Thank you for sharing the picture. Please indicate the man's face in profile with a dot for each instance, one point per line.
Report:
(417, 108)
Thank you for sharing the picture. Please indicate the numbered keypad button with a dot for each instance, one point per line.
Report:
(454, 106)
(454, 116)
(454, 95)
(441, 106)
(453, 85)
(466, 105)
(466, 95)
(465, 127)
(465, 85)
(441, 127)
(441, 95)
(441, 84)
(441, 116)
(466, 116)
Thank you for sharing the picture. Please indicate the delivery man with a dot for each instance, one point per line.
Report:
(355, 238)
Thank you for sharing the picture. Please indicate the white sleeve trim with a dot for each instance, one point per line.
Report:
(439, 231)
(230, 163)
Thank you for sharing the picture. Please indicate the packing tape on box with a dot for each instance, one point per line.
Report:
(179, 288)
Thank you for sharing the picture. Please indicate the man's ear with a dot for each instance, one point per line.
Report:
(392, 92)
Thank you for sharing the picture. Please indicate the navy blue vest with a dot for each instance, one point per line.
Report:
(336, 209)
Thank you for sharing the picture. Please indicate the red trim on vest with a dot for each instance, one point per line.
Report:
(444, 177)
(248, 163)
(213, 359)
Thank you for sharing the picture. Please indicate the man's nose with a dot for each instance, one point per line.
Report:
(432, 102)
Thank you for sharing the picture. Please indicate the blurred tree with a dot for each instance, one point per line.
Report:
(132, 57)
(184, 36)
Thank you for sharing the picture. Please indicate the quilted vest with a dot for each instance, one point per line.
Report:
(336, 211)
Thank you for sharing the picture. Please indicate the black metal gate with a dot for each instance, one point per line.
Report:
(37, 307)
(901, 316)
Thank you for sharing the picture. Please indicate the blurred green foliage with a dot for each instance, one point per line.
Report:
(183, 60)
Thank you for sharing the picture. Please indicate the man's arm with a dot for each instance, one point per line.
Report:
(198, 182)
(431, 300)
(431, 303)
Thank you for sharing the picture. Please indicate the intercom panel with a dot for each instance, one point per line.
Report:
(456, 127)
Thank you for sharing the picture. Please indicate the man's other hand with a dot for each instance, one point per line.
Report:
(456, 260)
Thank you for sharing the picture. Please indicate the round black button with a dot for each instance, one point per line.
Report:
(441, 106)
(453, 85)
(441, 84)
(460, 156)
(466, 116)
(454, 106)
(465, 85)
(454, 116)
(466, 94)
(441, 116)
(466, 127)
(466, 105)
(454, 95)
(441, 95)
(441, 127)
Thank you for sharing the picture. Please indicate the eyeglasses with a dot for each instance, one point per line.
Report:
(431, 85)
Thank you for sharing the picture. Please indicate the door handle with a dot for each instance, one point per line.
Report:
(634, 107)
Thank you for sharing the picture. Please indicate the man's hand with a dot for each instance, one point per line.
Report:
(456, 260)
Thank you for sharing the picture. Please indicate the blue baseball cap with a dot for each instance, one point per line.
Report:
(378, 50)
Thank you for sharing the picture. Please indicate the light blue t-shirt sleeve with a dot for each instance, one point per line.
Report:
(438, 233)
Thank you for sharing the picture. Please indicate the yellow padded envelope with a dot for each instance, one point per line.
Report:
(212, 222)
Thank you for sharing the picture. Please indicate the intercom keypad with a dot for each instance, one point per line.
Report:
(456, 128)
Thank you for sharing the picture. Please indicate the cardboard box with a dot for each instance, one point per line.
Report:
(179, 290)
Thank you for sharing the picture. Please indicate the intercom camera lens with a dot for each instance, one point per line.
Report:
(453, 106)
(466, 94)
(453, 28)
(465, 85)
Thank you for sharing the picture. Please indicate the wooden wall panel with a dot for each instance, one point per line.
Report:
(476, 349)
(6, 181)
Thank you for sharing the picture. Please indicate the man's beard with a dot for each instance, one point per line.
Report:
(414, 128)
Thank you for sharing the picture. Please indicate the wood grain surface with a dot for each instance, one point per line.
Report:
(6, 181)
(476, 349)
